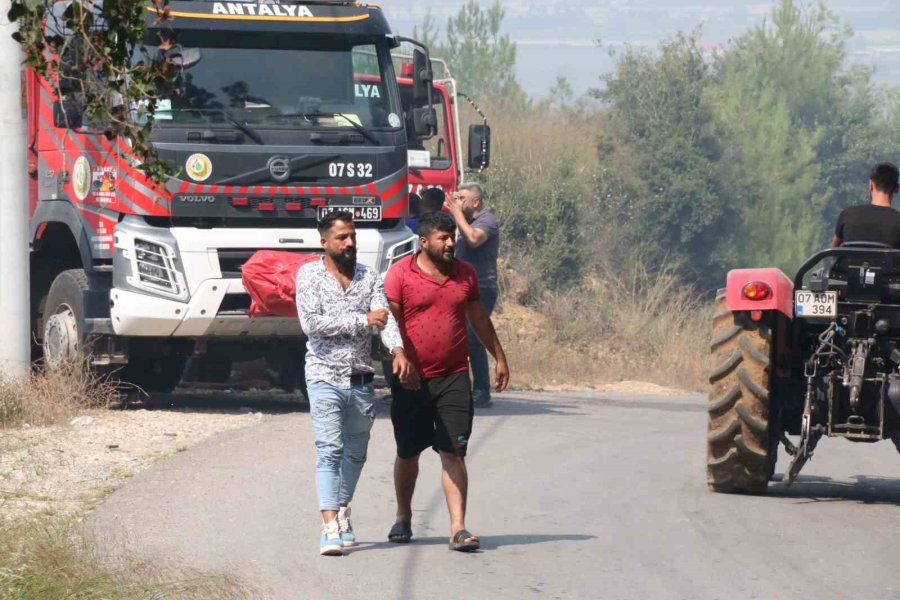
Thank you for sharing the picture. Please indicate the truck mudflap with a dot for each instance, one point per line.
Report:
(774, 291)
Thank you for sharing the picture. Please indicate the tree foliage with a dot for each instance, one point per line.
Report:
(93, 54)
(745, 157)
(481, 57)
(663, 103)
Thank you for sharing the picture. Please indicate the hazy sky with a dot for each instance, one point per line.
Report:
(559, 37)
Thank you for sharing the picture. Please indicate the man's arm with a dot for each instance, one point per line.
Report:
(390, 334)
(487, 335)
(314, 323)
(403, 369)
(838, 238)
(473, 236)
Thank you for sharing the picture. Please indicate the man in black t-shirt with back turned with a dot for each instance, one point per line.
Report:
(876, 221)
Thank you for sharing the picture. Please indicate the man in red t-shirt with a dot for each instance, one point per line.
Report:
(431, 294)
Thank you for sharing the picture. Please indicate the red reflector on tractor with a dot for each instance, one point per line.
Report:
(319, 201)
(406, 70)
(266, 206)
(293, 206)
(240, 201)
(756, 290)
(756, 315)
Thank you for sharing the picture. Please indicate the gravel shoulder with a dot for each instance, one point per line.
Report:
(69, 469)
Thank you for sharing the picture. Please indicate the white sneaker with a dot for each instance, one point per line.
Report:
(330, 543)
(348, 538)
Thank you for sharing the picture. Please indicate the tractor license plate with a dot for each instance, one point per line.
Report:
(815, 304)
(360, 213)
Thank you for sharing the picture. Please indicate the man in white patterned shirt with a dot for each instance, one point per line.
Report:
(340, 304)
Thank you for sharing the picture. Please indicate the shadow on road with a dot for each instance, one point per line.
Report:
(504, 406)
(865, 490)
(219, 401)
(488, 542)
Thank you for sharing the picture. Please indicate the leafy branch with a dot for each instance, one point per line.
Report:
(93, 55)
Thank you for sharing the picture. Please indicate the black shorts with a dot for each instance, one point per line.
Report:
(439, 414)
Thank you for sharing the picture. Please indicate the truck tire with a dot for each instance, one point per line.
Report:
(64, 337)
(741, 446)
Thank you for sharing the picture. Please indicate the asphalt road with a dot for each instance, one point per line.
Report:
(573, 495)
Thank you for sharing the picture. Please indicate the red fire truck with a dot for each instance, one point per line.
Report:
(439, 160)
(284, 111)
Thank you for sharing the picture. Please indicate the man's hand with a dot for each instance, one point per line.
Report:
(502, 379)
(453, 205)
(378, 317)
(405, 372)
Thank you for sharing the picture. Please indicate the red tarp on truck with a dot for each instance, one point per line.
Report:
(270, 277)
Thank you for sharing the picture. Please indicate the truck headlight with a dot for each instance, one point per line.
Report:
(155, 267)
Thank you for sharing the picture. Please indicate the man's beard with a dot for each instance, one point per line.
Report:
(437, 256)
(347, 258)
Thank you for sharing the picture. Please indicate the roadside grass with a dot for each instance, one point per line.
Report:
(44, 555)
(50, 397)
(625, 322)
(49, 559)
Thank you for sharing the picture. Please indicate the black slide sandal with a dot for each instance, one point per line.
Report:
(401, 533)
(463, 541)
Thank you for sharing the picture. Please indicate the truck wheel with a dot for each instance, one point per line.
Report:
(64, 338)
(741, 446)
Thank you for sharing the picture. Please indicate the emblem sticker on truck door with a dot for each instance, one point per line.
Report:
(81, 178)
(198, 167)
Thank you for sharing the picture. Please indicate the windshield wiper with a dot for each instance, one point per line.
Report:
(249, 131)
(365, 132)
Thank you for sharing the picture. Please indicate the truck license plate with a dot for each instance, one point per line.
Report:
(360, 213)
(815, 304)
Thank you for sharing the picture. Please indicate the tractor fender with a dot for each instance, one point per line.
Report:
(781, 298)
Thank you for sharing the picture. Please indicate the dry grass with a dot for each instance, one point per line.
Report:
(48, 559)
(625, 323)
(52, 397)
(44, 556)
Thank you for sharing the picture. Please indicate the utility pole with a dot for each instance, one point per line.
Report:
(15, 313)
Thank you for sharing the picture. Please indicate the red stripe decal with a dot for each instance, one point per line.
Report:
(370, 187)
(344, 190)
(184, 187)
(392, 191)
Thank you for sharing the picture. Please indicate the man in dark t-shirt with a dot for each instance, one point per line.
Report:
(479, 245)
(876, 221)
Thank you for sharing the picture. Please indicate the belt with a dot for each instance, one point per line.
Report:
(361, 378)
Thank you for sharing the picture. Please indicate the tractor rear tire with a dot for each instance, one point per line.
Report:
(741, 446)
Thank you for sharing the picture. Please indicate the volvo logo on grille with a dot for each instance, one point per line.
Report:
(279, 168)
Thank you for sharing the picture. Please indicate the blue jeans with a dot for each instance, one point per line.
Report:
(481, 373)
(342, 420)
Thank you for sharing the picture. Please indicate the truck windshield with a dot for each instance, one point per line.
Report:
(330, 86)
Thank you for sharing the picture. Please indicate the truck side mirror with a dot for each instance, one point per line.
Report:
(422, 77)
(479, 146)
(67, 115)
(423, 122)
(184, 58)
